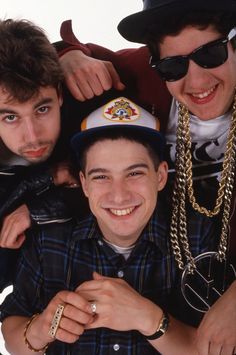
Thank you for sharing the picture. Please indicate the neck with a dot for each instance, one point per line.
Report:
(120, 243)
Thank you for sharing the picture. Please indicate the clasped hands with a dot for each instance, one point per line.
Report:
(101, 302)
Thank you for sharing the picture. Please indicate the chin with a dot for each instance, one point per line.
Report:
(37, 160)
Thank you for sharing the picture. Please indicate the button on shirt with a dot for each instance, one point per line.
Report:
(64, 256)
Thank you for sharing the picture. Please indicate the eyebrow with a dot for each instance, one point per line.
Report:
(7, 110)
(44, 101)
(131, 167)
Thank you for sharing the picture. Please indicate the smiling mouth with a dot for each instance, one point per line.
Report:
(203, 95)
(122, 212)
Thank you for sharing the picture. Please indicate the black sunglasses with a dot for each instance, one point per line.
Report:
(210, 55)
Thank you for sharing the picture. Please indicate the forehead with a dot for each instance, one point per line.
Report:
(44, 93)
(188, 39)
(114, 152)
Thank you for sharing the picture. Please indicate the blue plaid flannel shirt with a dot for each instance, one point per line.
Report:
(63, 256)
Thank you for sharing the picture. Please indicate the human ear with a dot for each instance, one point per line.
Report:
(83, 183)
(162, 175)
(60, 99)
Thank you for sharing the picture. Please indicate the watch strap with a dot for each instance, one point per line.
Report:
(162, 328)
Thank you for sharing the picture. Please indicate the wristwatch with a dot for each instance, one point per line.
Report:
(162, 328)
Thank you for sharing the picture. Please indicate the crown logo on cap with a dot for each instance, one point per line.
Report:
(121, 110)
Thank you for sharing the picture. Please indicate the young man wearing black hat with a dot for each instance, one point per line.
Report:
(192, 46)
(106, 284)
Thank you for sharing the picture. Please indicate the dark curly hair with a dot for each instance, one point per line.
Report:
(28, 60)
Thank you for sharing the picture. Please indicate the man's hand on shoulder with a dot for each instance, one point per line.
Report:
(64, 174)
(87, 77)
(14, 225)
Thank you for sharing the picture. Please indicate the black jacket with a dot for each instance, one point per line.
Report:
(47, 203)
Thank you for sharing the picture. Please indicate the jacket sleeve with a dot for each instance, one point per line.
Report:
(29, 187)
(71, 42)
(143, 83)
(58, 204)
(46, 202)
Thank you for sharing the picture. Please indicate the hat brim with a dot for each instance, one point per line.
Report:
(134, 27)
(154, 138)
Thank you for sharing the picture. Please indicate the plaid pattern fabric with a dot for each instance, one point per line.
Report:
(63, 256)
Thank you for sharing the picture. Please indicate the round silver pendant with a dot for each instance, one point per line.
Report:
(208, 282)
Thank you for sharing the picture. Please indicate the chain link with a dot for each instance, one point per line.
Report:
(225, 168)
(184, 186)
(178, 221)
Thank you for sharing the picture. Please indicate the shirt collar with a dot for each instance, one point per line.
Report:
(155, 232)
(86, 229)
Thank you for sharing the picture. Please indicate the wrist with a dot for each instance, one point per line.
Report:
(31, 336)
(150, 319)
(161, 328)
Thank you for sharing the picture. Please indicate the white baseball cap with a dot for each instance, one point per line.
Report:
(123, 115)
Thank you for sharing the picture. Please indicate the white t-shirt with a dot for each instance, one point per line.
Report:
(125, 251)
(208, 143)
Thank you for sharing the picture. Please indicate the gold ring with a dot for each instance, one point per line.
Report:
(56, 321)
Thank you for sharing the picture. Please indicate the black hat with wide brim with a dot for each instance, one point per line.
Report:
(134, 27)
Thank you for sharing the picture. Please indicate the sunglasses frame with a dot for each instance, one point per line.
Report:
(223, 41)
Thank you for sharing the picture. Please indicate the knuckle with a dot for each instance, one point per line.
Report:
(106, 283)
(65, 336)
(85, 71)
(68, 311)
(109, 64)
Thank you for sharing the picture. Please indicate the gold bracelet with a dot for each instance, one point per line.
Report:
(27, 343)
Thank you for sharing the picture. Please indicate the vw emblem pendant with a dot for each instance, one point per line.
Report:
(208, 282)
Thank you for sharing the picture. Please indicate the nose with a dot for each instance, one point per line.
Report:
(120, 193)
(31, 131)
(197, 77)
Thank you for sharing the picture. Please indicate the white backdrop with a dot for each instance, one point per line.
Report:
(93, 21)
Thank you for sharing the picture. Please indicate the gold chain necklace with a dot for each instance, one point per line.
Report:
(225, 169)
(184, 186)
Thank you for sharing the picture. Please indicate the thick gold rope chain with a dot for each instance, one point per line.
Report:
(184, 186)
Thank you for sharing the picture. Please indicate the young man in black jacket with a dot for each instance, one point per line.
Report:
(31, 134)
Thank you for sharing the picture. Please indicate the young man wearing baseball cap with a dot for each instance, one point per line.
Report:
(107, 284)
(192, 49)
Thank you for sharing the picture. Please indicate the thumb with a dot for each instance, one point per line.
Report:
(19, 241)
(97, 276)
(116, 82)
(119, 86)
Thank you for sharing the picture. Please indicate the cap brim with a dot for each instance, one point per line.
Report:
(155, 139)
(134, 27)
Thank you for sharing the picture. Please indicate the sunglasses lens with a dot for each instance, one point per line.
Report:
(212, 55)
(172, 69)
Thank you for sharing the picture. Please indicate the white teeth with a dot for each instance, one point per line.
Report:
(122, 212)
(204, 94)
